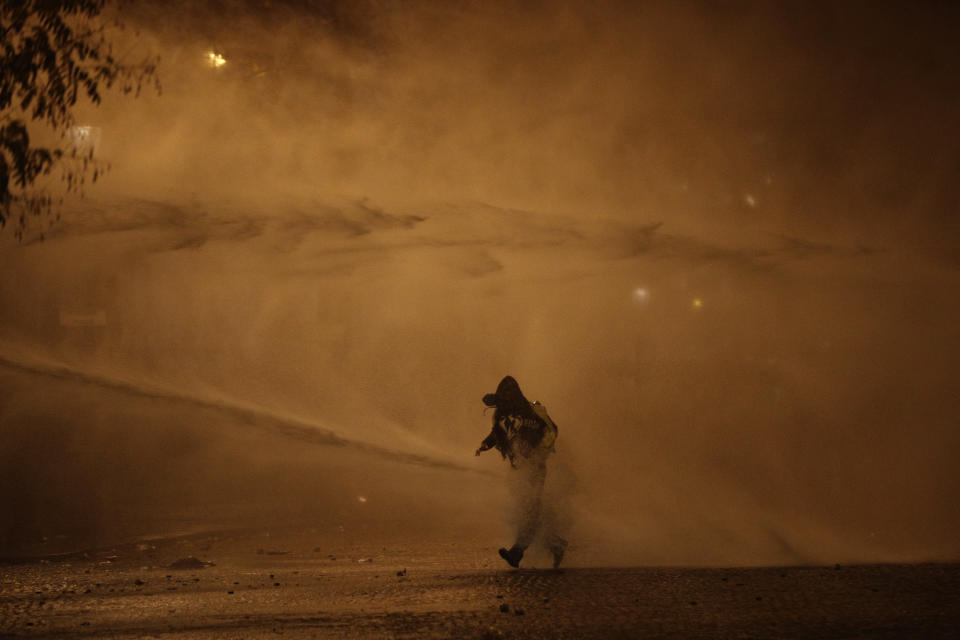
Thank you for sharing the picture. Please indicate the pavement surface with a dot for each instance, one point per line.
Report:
(314, 585)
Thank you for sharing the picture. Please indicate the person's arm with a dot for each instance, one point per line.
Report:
(491, 440)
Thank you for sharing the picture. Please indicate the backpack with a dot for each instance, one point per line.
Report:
(550, 432)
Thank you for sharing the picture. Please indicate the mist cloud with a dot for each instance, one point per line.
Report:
(666, 221)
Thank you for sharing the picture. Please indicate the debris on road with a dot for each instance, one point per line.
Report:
(190, 562)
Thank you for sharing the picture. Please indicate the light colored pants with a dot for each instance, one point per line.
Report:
(535, 511)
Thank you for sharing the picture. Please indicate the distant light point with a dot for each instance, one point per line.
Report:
(750, 200)
(696, 304)
(640, 294)
(361, 499)
(216, 60)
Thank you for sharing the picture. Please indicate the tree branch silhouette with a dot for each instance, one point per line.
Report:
(52, 53)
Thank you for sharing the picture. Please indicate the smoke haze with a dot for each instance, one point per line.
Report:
(717, 240)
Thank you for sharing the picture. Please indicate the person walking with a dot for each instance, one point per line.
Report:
(523, 433)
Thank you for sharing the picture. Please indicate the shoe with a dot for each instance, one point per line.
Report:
(513, 556)
(557, 547)
(557, 556)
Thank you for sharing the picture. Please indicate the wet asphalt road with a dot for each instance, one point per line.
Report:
(268, 587)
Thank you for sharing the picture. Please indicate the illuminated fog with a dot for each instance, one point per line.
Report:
(718, 243)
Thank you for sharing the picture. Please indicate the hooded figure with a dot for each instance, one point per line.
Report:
(524, 433)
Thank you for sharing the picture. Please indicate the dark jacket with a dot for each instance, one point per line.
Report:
(521, 429)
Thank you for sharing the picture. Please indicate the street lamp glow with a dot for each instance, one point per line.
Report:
(216, 60)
